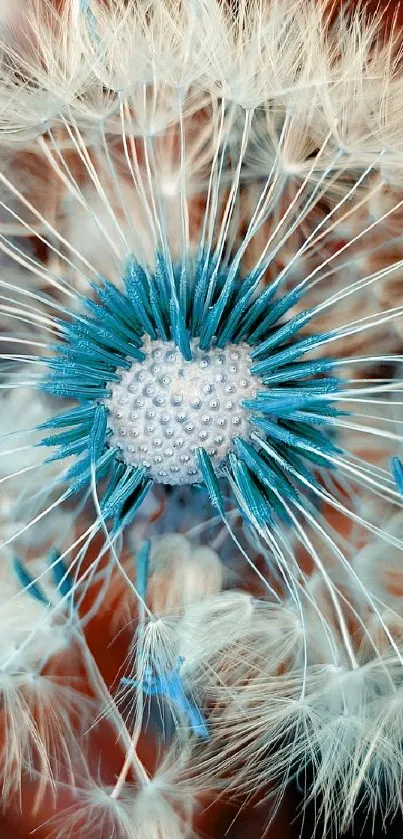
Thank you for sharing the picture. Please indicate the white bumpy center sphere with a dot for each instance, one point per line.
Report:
(164, 408)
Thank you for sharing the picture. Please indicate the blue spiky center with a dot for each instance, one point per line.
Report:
(188, 375)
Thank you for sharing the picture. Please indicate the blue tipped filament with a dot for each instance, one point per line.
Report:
(169, 687)
(59, 576)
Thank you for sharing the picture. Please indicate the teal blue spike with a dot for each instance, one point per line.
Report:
(287, 356)
(256, 502)
(113, 322)
(142, 566)
(282, 334)
(79, 475)
(310, 432)
(257, 314)
(229, 329)
(73, 435)
(126, 520)
(160, 314)
(294, 372)
(311, 455)
(280, 307)
(70, 370)
(284, 405)
(66, 390)
(89, 356)
(98, 433)
(310, 388)
(211, 322)
(210, 327)
(137, 290)
(163, 281)
(294, 465)
(70, 449)
(268, 475)
(324, 415)
(118, 304)
(287, 459)
(127, 484)
(397, 472)
(210, 479)
(180, 332)
(183, 290)
(72, 417)
(116, 473)
(277, 432)
(105, 338)
(28, 583)
(253, 315)
(87, 349)
(203, 270)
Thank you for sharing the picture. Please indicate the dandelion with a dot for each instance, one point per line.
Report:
(193, 370)
(201, 207)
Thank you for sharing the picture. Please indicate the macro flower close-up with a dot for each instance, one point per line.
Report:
(201, 460)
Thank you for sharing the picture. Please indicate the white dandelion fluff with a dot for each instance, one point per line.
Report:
(41, 710)
(203, 207)
(157, 809)
(181, 574)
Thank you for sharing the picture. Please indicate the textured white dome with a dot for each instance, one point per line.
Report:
(164, 408)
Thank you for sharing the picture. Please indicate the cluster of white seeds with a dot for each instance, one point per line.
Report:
(164, 408)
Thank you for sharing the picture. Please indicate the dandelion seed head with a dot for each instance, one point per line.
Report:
(183, 378)
(214, 200)
(164, 408)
